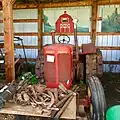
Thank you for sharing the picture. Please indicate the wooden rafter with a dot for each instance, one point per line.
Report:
(66, 4)
(60, 4)
(53, 5)
(108, 2)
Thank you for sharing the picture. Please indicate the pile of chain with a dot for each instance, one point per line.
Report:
(38, 96)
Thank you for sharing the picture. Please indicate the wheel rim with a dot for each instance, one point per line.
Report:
(90, 106)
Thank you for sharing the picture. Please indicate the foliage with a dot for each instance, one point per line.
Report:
(34, 80)
(29, 78)
(81, 29)
(110, 24)
(45, 19)
(47, 26)
(2, 76)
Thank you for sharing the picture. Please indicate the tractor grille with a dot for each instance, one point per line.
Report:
(64, 67)
(49, 71)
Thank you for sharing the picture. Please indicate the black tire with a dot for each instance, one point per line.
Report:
(97, 99)
(102, 100)
(20, 117)
(94, 114)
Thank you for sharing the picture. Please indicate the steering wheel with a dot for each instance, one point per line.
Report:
(64, 39)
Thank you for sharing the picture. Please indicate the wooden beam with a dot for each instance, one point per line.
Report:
(53, 5)
(111, 62)
(24, 34)
(66, 4)
(108, 33)
(94, 22)
(108, 2)
(25, 6)
(26, 47)
(40, 28)
(69, 34)
(48, 34)
(8, 40)
(22, 20)
(108, 48)
(21, 47)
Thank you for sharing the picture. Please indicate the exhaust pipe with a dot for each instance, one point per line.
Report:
(53, 37)
(75, 38)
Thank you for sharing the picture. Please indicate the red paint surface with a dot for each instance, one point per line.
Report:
(59, 71)
(65, 24)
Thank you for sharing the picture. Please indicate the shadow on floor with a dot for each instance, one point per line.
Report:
(111, 84)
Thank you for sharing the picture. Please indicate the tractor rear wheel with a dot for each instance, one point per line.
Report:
(97, 106)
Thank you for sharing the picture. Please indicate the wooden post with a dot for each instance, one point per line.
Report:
(8, 40)
(40, 28)
(94, 22)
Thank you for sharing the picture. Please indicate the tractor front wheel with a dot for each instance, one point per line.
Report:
(97, 106)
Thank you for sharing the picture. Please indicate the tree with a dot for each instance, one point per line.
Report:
(111, 24)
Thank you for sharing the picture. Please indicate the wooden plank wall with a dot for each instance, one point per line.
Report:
(40, 7)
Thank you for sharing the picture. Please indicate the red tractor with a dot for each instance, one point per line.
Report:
(61, 63)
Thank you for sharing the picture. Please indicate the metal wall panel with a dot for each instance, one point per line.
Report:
(81, 40)
(30, 53)
(108, 23)
(111, 68)
(25, 14)
(108, 40)
(25, 27)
